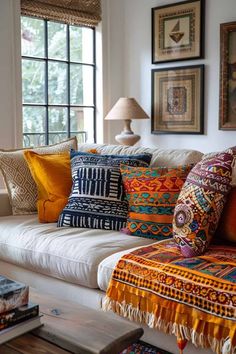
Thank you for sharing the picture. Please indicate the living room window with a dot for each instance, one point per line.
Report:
(58, 81)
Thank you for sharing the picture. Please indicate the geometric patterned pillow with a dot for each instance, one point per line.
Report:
(152, 194)
(97, 197)
(201, 202)
(22, 189)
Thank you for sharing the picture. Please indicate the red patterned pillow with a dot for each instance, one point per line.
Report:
(201, 202)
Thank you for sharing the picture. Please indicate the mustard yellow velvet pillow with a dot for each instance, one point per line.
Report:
(52, 175)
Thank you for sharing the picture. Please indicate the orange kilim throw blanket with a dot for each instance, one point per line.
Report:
(192, 298)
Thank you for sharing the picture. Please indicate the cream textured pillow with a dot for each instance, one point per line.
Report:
(21, 187)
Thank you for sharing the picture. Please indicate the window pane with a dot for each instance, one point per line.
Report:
(34, 126)
(57, 83)
(57, 119)
(33, 81)
(47, 98)
(81, 44)
(56, 138)
(57, 44)
(82, 124)
(81, 84)
(32, 37)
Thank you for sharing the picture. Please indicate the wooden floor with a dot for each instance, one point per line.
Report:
(30, 344)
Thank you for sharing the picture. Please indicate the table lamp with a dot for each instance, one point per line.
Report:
(126, 109)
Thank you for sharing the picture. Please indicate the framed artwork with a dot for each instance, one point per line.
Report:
(177, 100)
(177, 31)
(227, 76)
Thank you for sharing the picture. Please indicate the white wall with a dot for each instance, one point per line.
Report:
(10, 89)
(113, 60)
(126, 33)
(10, 76)
(130, 67)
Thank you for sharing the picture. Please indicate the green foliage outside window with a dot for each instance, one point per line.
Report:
(60, 44)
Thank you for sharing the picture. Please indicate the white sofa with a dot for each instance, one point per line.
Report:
(72, 263)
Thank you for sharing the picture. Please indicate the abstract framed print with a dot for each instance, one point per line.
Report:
(177, 31)
(178, 100)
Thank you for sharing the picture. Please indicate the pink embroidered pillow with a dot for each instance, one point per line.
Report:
(201, 201)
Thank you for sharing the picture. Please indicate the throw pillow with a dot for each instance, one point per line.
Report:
(226, 230)
(152, 194)
(97, 197)
(201, 202)
(52, 175)
(20, 184)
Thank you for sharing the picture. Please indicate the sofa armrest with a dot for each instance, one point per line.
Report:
(5, 206)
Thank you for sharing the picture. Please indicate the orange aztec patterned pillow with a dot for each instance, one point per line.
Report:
(152, 194)
(201, 202)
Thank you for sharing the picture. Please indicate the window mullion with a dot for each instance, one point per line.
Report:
(77, 78)
(94, 87)
(68, 81)
(46, 84)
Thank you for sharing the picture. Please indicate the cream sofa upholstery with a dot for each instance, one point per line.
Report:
(73, 263)
(74, 254)
(70, 254)
(5, 206)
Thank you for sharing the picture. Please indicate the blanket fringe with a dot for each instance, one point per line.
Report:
(223, 346)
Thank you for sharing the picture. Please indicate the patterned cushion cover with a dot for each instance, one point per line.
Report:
(152, 194)
(97, 197)
(52, 175)
(20, 184)
(201, 202)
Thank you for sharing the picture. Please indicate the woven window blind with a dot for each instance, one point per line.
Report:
(77, 12)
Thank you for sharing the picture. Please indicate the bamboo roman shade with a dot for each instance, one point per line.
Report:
(77, 12)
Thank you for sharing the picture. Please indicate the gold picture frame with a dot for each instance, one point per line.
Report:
(227, 105)
(178, 100)
(177, 31)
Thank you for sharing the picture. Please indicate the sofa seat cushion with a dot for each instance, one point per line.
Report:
(107, 266)
(70, 254)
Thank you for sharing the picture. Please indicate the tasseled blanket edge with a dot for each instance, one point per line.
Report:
(222, 346)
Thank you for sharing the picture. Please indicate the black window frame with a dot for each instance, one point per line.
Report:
(48, 105)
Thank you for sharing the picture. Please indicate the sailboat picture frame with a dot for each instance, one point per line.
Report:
(177, 31)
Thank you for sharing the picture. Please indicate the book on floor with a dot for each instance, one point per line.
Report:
(18, 315)
(12, 294)
(19, 329)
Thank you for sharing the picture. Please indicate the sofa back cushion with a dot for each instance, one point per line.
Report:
(5, 206)
(160, 157)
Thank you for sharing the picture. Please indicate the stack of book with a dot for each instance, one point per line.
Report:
(17, 314)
